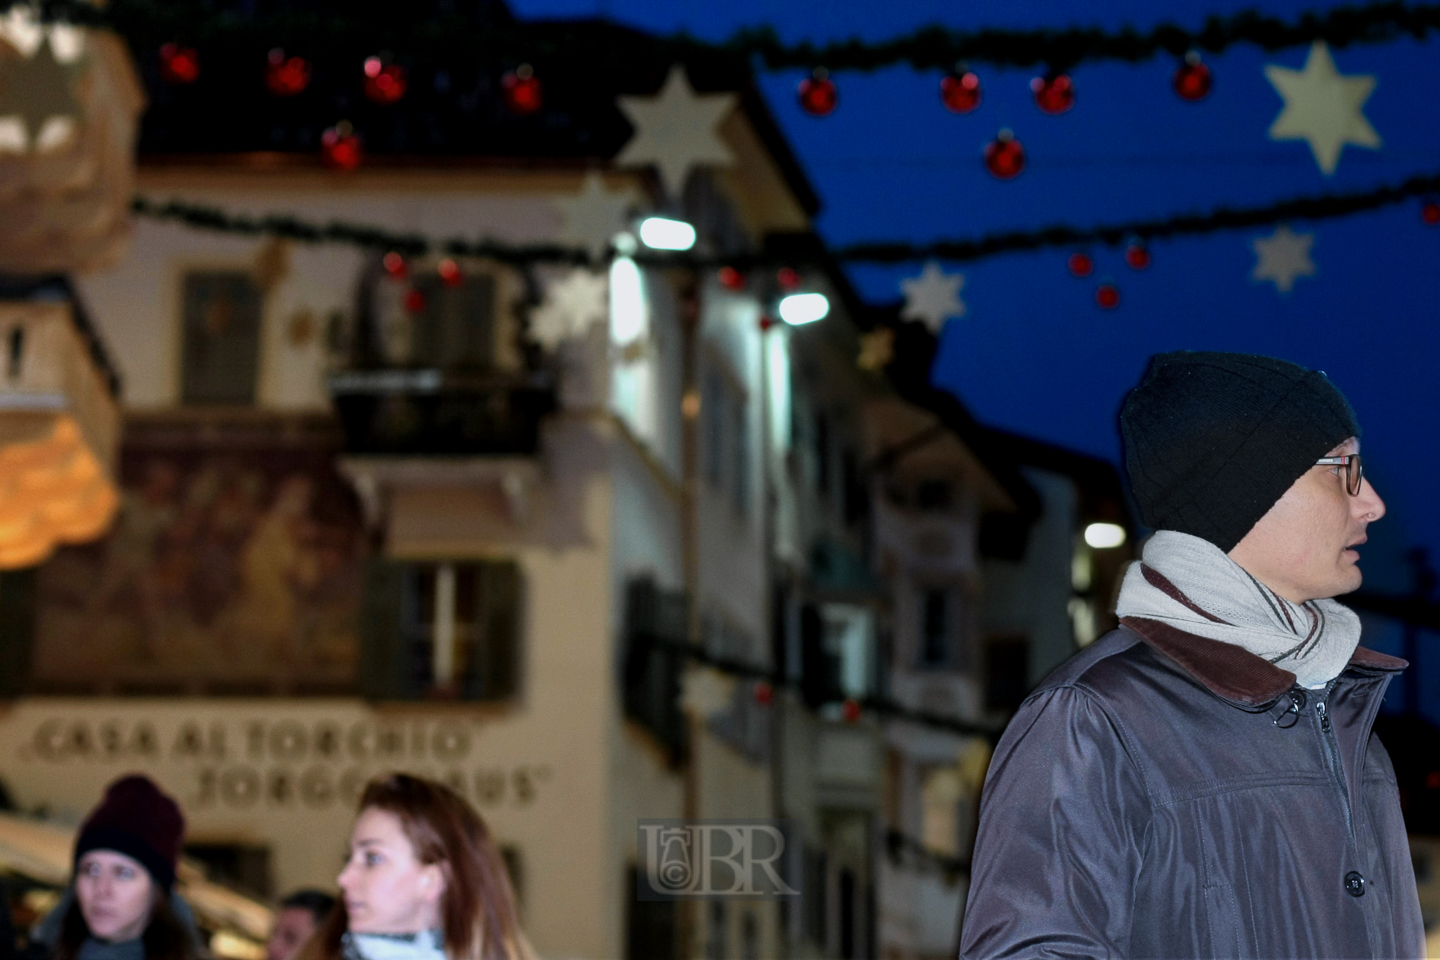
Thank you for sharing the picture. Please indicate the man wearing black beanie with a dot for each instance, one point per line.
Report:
(1202, 781)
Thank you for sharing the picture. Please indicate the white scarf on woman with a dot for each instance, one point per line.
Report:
(1192, 585)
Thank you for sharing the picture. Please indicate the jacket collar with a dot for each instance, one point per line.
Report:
(1235, 674)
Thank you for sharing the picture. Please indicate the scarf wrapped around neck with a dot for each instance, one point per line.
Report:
(1192, 585)
(428, 945)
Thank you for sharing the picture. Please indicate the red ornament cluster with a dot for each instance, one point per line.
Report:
(522, 90)
(384, 82)
(286, 76)
(179, 66)
(788, 278)
(1054, 93)
(1137, 256)
(1107, 296)
(1192, 78)
(818, 93)
(395, 265)
(960, 91)
(731, 279)
(1004, 157)
(340, 147)
(1081, 264)
(1430, 213)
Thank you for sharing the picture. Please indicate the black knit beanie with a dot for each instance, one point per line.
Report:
(136, 819)
(1212, 440)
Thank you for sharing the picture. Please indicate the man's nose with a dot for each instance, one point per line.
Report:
(1368, 503)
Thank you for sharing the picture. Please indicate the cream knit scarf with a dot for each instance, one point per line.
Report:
(1191, 584)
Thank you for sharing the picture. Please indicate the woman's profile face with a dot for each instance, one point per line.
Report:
(115, 893)
(386, 888)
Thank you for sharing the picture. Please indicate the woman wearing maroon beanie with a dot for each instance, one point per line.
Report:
(125, 859)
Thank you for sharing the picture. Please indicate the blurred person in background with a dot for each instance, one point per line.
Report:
(119, 905)
(298, 916)
(422, 881)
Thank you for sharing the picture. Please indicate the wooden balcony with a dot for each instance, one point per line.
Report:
(59, 424)
(428, 412)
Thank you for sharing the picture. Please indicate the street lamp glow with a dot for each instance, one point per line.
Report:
(661, 233)
(1102, 536)
(802, 308)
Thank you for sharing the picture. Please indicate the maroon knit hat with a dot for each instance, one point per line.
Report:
(136, 819)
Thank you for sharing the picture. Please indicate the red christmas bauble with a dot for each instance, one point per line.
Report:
(1054, 93)
(1430, 213)
(766, 322)
(732, 279)
(179, 65)
(764, 693)
(818, 94)
(384, 82)
(960, 92)
(522, 90)
(788, 278)
(415, 301)
(340, 147)
(1081, 264)
(450, 273)
(395, 265)
(1107, 295)
(851, 711)
(1137, 256)
(1192, 78)
(1004, 157)
(286, 76)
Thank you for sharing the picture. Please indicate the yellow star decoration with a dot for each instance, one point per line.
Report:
(877, 349)
(1323, 107)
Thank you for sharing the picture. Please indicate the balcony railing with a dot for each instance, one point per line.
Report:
(427, 412)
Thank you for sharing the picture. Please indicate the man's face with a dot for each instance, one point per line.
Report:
(293, 926)
(1304, 547)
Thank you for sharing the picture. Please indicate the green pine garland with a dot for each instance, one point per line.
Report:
(927, 48)
(1321, 207)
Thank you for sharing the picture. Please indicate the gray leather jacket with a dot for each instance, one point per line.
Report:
(1165, 795)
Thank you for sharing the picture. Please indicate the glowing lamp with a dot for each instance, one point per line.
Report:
(802, 308)
(1102, 536)
(661, 233)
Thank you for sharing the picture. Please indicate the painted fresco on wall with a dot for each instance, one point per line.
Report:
(234, 566)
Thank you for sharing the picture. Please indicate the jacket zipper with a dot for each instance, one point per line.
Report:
(1332, 754)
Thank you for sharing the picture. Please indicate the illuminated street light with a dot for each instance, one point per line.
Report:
(1101, 536)
(802, 308)
(661, 233)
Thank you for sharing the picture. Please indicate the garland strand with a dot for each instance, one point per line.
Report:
(1320, 207)
(880, 706)
(927, 48)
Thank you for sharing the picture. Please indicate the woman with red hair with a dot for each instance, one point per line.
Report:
(423, 881)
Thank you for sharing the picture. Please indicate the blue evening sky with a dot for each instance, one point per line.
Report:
(1033, 353)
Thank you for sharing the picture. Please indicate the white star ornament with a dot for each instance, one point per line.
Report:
(1323, 107)
(1282, 257)
(571, 305)
(676, 130)
(933, 297)
(594, 215)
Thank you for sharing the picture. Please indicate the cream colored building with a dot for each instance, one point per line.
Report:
(353, 539)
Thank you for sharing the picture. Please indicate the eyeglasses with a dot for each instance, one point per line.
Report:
(1354, 472)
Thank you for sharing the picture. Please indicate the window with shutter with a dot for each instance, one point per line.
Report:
(221, 334)
(456, 327)
(443, 630)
